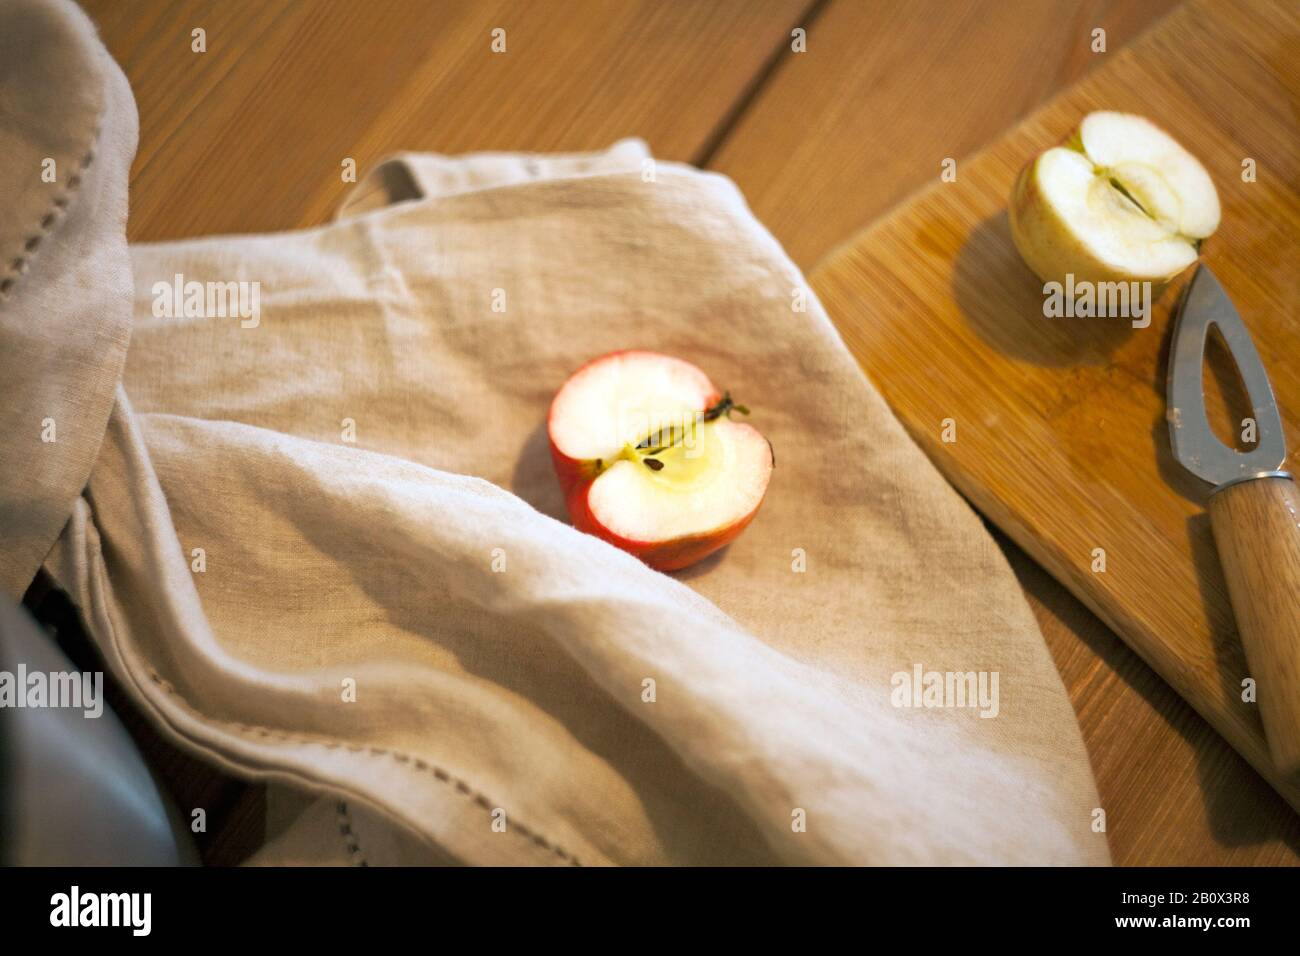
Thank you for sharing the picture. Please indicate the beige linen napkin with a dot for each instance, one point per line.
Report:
(67, 135)
(324, 548)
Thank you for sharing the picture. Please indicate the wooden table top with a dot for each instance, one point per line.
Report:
(249, 137)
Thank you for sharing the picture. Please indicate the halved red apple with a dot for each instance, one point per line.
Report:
(651, 461)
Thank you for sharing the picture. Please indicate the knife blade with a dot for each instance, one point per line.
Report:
(1195, 445)
(1254, 507)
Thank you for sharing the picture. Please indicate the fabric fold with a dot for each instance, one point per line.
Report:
(68, 132)
(321, 545)
(315, 459)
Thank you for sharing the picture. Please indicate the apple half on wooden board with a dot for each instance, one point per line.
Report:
(651, 459)
(1122, 201)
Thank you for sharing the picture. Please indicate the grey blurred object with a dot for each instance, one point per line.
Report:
(73, 789)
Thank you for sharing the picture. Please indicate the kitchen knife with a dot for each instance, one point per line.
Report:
(1254, 508)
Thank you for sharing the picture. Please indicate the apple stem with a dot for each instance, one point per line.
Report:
(725, 406)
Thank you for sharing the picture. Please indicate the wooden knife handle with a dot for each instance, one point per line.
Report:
(1257, 531)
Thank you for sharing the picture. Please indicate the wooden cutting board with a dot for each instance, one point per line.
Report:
(1059, 424)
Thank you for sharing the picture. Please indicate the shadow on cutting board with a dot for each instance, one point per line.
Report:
(1002, 300)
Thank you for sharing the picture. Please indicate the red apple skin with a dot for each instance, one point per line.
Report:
(661, 555)
(577, 475)
(572, 472)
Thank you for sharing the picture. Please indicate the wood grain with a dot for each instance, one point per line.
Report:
(888, 89)
(1062, 440)
(250, 135)
(1256, 528)
(1176, 793)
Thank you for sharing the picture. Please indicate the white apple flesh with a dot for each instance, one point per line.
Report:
(650, 460)
(1122, 201)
